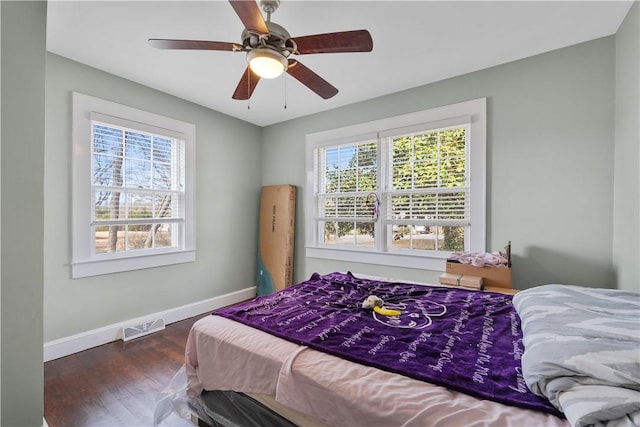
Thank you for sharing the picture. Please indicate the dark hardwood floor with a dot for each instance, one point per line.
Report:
(115, 384)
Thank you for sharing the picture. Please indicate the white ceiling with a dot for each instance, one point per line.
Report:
(414, 43)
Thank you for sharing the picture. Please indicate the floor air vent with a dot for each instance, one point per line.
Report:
(146, 328)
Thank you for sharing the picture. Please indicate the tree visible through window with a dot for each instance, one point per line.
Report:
(425, 206)
(350, 175)
(428, 203)
(137, 187)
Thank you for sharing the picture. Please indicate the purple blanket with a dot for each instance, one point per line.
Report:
(464, 340)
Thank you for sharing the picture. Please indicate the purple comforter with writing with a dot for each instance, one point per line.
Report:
(467, 341)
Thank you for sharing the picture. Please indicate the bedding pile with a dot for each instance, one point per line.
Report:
(582, 351)
(464, 340)
(480, 259)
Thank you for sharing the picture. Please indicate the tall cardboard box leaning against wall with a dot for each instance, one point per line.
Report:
(277, 222)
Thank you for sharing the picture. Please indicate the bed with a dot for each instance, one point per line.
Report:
(311, 355)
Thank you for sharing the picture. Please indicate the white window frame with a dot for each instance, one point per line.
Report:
(474, 112)
(84, 261)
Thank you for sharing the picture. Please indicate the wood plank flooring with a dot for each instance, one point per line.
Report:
(116, 384)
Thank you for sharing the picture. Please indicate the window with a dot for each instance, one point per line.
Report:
(132, 189)
(403, 191)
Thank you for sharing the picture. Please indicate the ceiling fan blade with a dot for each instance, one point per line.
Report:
(310, 79)
(247, 85)
(250, 15)
(194, 45)
(343, 41)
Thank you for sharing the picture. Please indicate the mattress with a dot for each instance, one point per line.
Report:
(222, 354)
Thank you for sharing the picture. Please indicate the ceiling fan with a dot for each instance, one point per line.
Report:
(269, 48)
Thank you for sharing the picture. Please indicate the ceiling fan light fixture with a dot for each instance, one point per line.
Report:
(267, 63)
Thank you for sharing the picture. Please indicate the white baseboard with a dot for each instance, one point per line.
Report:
(86, 340)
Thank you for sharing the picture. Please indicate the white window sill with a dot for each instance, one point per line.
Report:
(114, 265)
(432, 262)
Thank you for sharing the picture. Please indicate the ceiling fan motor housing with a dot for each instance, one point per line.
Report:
(278, 39)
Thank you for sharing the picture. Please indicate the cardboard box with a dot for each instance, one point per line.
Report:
(465, 281)
(277, 224)
(499, 277)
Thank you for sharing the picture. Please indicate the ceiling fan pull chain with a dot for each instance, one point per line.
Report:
(285, 92)
(248, 90)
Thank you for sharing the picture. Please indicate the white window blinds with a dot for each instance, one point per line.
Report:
(428, 182)
(401, 191)
(137, 185)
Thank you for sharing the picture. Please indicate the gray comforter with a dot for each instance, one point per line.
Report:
(582, 351)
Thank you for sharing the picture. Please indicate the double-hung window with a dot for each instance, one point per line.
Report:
(132, 189)
(403, 191)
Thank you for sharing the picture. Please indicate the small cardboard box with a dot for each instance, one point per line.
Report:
(277, 224)
(466, 281)
(499, 277)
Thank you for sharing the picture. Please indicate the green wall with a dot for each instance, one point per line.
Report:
(227, 199)
(626, 214)
(550, 151)
(23, 133)
(0, 218)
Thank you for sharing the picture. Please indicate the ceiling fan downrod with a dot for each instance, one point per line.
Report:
(269, 6)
